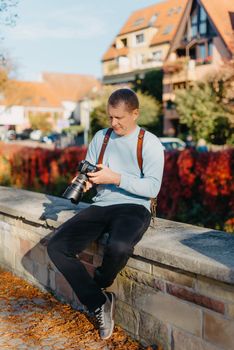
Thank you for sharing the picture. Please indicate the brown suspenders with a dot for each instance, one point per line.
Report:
(139, 160)
(104, 144)
(139, 147)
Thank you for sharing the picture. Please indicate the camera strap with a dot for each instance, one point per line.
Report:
(141, 134)
(104, 144)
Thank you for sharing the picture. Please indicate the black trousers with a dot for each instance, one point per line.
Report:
(125, 223)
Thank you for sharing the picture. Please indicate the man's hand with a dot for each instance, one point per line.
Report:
(104, 176)
(88, 184)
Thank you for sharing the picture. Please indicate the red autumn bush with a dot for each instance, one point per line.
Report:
(41, 169)
(197, 188)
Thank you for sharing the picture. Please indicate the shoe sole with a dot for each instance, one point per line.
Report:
(112, 316)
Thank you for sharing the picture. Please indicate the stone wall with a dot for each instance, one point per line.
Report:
(177, 289)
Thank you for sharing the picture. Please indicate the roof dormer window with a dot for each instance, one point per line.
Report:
(170, 11)
(168, 29)
(138, 22)
(153, 19)
(179, 9)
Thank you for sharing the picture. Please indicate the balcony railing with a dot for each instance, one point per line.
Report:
(171, 67)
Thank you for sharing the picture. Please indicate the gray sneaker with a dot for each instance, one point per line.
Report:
(105, 316)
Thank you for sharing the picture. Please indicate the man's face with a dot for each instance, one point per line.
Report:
(122, 121)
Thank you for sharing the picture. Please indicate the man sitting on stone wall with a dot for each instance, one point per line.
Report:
(121, 207)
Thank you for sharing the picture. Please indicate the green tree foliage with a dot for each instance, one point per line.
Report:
(222, 83)
(150, 111)
(41, 121)
(222, 131)
(98, 119)
(199, 109)
(151, 84)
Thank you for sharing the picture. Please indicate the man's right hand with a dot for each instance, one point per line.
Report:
(88, 185)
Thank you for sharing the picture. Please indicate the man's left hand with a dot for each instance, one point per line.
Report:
(104, 176)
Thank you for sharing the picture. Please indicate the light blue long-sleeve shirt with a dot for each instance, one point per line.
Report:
(121, 157)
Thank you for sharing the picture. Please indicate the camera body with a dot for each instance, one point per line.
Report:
(75, 190)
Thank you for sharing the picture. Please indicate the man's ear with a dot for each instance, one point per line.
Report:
(135, 113)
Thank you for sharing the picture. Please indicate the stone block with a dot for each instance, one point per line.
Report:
(76, 304)
(52, 282)
(124, 289)
(140, 265)
(219, 290)
(167, 274)
(63, 288)
(138, 276)
(219, 331)
(25, 265)
(114, 287)
(6, 228)
(25, 246)
(40, 272)
(127, 317)
(167, 309)
(230, 310)
(9, 257)
(195, 298)
(29, 232)
(186, 341)
(154, 331)
(37, 254)
(7, 237)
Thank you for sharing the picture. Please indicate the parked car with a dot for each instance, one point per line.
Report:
(24, 135)
(35, 135)
(172, 143)
(11, 135)
(51, 138)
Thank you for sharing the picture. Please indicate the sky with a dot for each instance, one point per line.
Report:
(67, 36)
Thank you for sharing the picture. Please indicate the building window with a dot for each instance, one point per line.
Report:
(123, 61)
(200, 24)
(202, 21)
(179, 9)
(140, 38)
(168, 29)
(157, 55)
(124, 42)
(170, 11)
(170, 105)
(203, 28)
(210, 48)
(194, 24)
(202, 51)
(138, 22)
(203, 15)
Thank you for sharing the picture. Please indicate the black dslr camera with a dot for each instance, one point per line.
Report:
(74, 192)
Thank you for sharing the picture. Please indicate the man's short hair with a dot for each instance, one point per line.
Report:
(125, 95)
